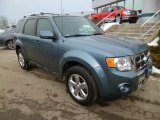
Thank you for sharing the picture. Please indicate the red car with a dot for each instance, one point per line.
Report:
(117, 14)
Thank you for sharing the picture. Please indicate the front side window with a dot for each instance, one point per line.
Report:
(44, 25)
(110, 9)
(76, 26)
(30, 27)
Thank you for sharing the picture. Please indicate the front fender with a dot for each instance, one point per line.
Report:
(79, 56)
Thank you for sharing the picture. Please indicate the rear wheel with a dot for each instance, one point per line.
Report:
(80, 85)
(11, 44)
(23, 62)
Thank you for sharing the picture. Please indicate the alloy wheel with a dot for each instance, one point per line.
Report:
(11, 44)
(78, 87)
(21, 59)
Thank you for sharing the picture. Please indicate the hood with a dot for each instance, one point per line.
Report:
(118, 46)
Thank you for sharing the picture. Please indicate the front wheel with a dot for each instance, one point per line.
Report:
(133, 21)
(118, 19)
(81, 85)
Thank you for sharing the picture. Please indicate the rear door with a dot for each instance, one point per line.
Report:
(29, 34)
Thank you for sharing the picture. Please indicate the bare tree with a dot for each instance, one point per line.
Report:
(3, 22)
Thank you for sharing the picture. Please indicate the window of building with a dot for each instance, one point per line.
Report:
(43, 25)
(30, 27)
(138, 4)
(121, 4)
(129, 4)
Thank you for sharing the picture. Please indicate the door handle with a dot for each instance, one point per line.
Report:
(36, 41)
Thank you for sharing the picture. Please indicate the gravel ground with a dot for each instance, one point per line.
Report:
(39, 95)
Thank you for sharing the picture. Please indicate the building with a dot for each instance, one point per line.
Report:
(146, 8)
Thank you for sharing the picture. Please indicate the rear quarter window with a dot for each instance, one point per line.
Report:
(19, 26)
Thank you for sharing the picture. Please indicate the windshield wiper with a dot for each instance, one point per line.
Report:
(97, 34)
(77, 35)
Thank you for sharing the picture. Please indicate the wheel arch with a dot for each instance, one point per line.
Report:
(77, 57)
(17, 48)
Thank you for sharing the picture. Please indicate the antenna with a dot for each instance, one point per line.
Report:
(61, 7)
(62, 14)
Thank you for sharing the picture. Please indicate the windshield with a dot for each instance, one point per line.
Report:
(76, 26)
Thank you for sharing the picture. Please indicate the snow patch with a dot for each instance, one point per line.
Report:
(2, 31)
(155, 70)
(154, 42)
(106, 26)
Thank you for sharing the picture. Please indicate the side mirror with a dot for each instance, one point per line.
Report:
(112, 10)
(47, 35)
(13, 26)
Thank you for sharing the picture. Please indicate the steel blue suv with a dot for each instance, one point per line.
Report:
(93, 64)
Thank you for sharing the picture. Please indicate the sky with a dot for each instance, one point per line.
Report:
(15, 9)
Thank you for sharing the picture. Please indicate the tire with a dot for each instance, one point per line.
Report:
(10, 44)
(23, 62)
(118, 19)
(83, 90)
(133, 21)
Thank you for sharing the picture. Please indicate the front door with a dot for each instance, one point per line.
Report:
(47, 49)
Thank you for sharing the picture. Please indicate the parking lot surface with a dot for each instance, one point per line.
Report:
(39, 95)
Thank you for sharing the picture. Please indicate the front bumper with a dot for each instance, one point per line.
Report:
(112, 83)
(129, 18)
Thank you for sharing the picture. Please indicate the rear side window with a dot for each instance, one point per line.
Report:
(43, 25)
(19, 26)
(30, 27)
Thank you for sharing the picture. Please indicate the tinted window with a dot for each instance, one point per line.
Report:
(19, 26)
(44, 24)
(30, 28)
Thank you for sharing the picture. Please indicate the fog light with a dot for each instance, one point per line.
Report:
(124, 88)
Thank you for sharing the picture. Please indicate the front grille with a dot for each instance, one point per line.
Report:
(141, 60)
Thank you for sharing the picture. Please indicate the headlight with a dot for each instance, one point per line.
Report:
(122, 63)
(126, 12)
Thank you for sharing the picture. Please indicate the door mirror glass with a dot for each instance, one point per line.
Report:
(47, 35)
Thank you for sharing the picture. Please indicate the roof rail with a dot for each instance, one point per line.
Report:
(42, 13)
(33, 14)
